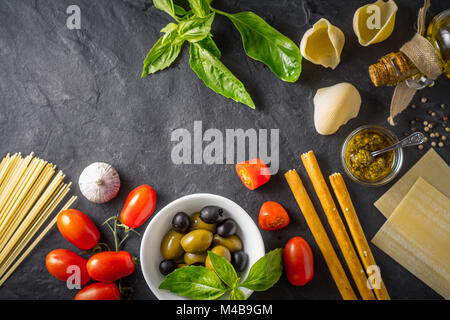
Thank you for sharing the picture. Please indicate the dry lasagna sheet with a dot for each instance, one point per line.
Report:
(430, 167)
(417, 235)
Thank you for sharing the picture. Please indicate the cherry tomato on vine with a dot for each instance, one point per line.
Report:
(78, 229)
(109, 266)
(139, 205)
(253, 173)
(60, 263)
(272, 216)
(298, 261)
(99, 291)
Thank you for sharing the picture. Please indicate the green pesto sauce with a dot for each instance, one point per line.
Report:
(358, 152)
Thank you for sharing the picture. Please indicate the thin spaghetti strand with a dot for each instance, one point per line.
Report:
(30, 192)
(34, 244)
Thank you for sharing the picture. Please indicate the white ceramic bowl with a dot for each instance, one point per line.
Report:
(150, 255)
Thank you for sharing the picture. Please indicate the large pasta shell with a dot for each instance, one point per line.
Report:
(368, 18)
(334, 106)
(323, 44)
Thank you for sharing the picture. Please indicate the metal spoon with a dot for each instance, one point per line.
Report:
(411, 140)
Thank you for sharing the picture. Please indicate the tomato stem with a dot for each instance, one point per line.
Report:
(116, 237)
(99, 247)
(123, 239)
(125, 292)
(114, 229)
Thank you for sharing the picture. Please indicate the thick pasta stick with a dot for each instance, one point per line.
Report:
(338, 227)
(345, 202)
(319, 233)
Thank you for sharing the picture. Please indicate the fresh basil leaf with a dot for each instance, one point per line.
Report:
(237, 294)
(179, 11)
(163, 53)
(189, 14)
(165, 5)
(265, 272)
(194, 282)
(209, 44)
(195, 29)
(169, 28)
(170, 8)
(216, 76)
(264, 43)
(223, 269)
(200, 7)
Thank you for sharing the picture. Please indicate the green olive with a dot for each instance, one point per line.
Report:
(221, 251)
(197, 240)
(193, 258)
(232, 243)
(197, 223)
(171, 245)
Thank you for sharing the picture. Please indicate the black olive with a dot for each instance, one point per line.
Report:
(181, 222)
(226, 228)
(239, 260)
(211, 214)
(167, 266)
(197, 264)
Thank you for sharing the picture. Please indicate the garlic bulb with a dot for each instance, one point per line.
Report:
(334, 106)
(99, 182)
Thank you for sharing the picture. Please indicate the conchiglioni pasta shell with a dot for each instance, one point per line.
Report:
(364, 31)
(323, 44)
(334, 106)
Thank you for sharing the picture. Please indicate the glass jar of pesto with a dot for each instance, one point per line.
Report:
(355, 152)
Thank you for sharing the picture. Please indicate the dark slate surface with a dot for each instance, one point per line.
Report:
(76, 97)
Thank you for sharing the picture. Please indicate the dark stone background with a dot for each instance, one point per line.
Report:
(76, 97)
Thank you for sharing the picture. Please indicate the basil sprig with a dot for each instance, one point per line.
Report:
(197, 282)
(260, 40)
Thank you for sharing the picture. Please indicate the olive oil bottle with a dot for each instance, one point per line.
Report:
(396, 67)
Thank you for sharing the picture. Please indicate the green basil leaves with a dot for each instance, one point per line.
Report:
(195, 29)
(260, 40)
(163, 53)
(200, 7)
(263, 43)
(216, 76)
(198, 282)
(168, 47)
(169, 7)
(224, 270)
(265, 272)
(194, 282)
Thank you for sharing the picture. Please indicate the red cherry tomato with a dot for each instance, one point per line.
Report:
(109, 266)
(272, 216)
(298, 261)
(78, 229)
(58, 262)
(253, 173)
(99, 291)
(139, 205)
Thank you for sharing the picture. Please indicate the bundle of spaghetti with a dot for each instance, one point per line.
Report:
(29, 193)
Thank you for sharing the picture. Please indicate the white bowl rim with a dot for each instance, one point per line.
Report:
(157, 216)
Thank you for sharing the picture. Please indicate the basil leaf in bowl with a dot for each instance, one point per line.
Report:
(195, 282)
(265, 272)
(224, 269)
(198, 282)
